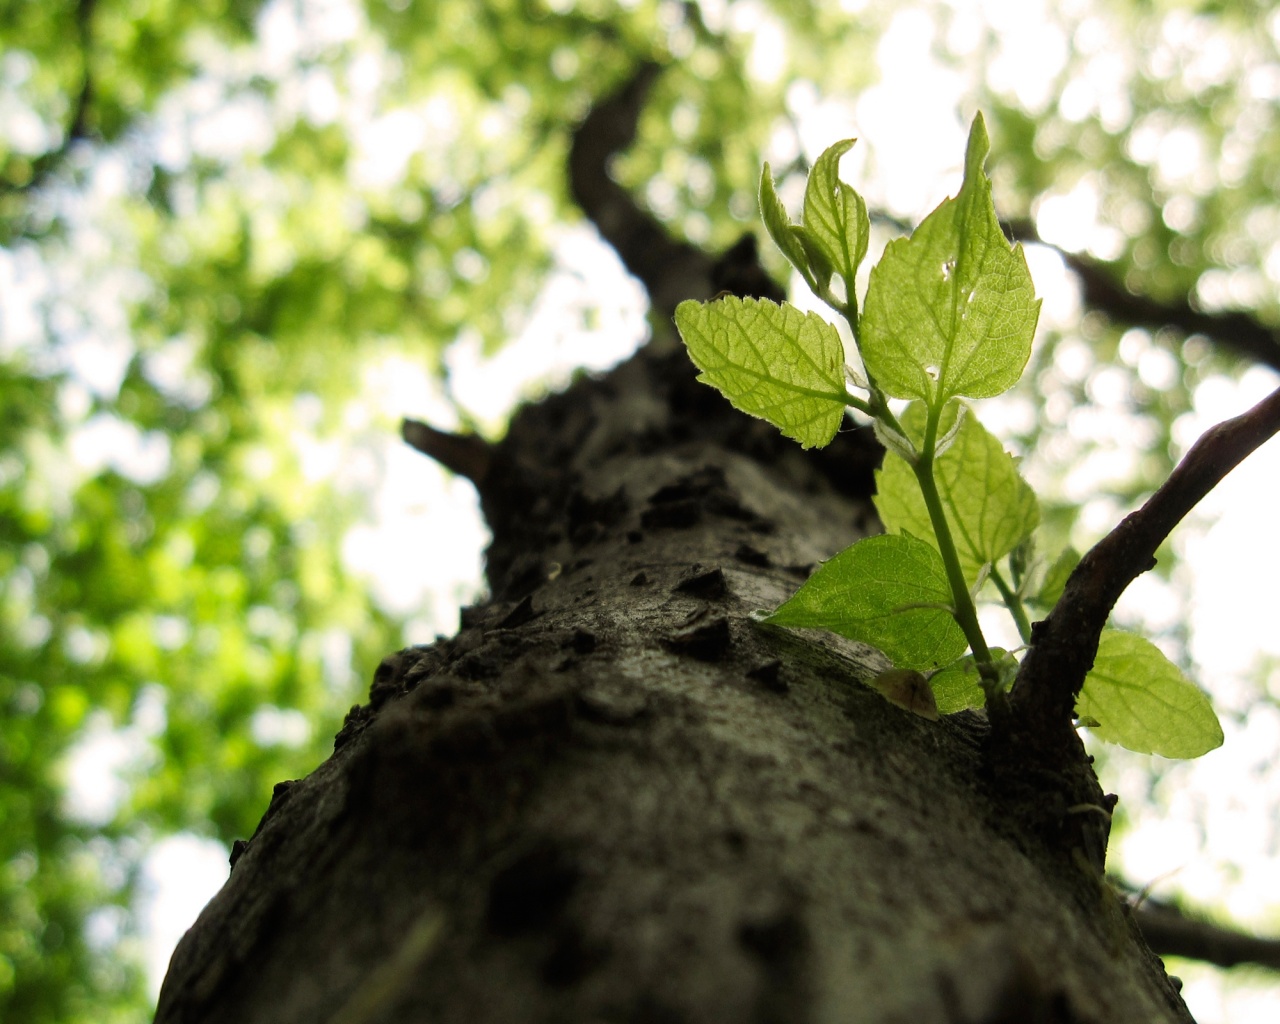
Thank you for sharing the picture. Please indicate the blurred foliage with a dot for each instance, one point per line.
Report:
(213, 214)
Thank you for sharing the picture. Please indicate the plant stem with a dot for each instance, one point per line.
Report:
(966, 614)
(858, 403)
(1014, 603)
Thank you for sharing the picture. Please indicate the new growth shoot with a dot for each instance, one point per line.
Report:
(949, 314)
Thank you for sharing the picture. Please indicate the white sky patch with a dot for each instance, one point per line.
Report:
(93, 771)
(24, 285)
(915, 168)
(95, 768)
(384, 147)
(172, 369)
(233, 127)
(21, 126)
(1072, 221)
(105, 441)
(1056, 287)
(1032, 52)
(590, 314)
(271, 726)
(421, 547)
(422, 554)
(1237, 559)
(98, 360)
(422, 551)
(180, 874)
(768, 57)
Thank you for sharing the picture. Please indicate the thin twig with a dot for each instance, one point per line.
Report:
(1064, 644)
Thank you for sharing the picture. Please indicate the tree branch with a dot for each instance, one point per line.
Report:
(465, 454)
(669, 269)
(1064, 644)
(78, 127)
(1102, 290)
(1170, 932)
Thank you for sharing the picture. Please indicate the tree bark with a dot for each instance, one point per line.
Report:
(614, 797)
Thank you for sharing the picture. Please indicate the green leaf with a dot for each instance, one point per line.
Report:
(887, 591)
(952, 309)
(771, 361)
(1142, 701)
(1055, 579)
(908, 689)
(988, 505)
(959, 686)
(835, 217)
(786, 236)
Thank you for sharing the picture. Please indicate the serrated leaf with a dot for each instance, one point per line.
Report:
(959, 686)
(988, 505)
(771, 361)
(951, 310)
(785, 235)
(888, 591)
(1142, 701)
(835, 218)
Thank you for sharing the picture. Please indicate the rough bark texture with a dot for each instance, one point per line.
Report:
(614, 797)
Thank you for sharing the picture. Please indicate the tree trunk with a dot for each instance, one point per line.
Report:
(614, 797)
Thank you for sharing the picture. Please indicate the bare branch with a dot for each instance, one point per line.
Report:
(1170, 932)
(1064, 644)
(669, 269)
(464, 454)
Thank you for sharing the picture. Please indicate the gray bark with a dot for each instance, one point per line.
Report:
(612, 796)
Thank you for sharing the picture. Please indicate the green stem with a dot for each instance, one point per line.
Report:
(1014, 603)
(966, 614)
(858, 403)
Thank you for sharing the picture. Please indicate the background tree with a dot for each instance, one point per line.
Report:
(222, 223)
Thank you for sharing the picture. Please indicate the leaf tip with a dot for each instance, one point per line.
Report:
(978, 148)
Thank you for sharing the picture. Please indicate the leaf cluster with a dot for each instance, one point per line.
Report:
(949, 314)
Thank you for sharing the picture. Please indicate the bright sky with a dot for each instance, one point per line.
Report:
(1210, 836)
